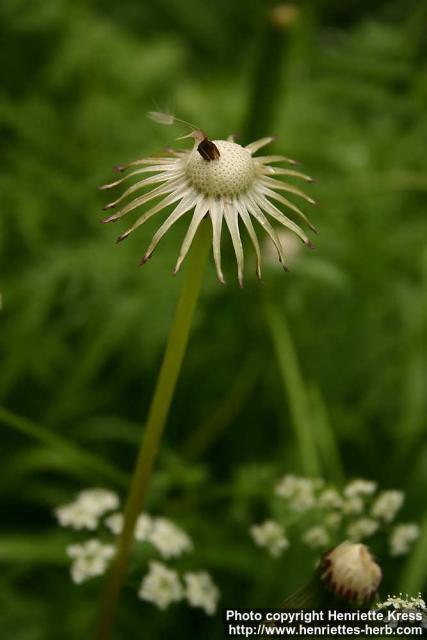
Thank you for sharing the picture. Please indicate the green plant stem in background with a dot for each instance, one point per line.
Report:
(325, 438)
(295, 388)
(265, 92)
(160, 404)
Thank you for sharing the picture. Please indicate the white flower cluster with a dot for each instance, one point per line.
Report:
(90, 559)
(387, 505)
(169, 539)
(299, 492)
(326, 515)
(317, 537)
(401, 538)
(404, 602)
(163, 586)
(271, 535)
(96, 508)
(86, 510)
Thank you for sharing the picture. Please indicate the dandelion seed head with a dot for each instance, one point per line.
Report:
(231, 174)
(220, 180)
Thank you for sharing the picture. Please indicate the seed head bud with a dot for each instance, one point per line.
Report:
(351, 573)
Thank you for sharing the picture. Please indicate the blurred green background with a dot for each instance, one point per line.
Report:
(83, 328)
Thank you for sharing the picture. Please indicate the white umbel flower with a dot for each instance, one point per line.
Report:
(353, 505)
(114, 522)
(161, 586)
(169, 539)
(387, 505)
(90, 559)
(271, 535)
(360, 487)
(362, 528)
(402, 537)
(220, 179)
(351, 572)
(201, 591)
(87, 508)
(330, 499)
(299, 492)
(143, 527)
(404, 603)
(317, 537)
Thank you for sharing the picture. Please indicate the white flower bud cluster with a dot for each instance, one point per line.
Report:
(299, 492)
(169, 539)
(90, 559)
(387, 505)
(271, 535)
(85, 511)
(97, 509)
(323, 515)
(401, 538)
(317, 537)
(163, 586)
(404, 602)
(351, 572)
(362, 528)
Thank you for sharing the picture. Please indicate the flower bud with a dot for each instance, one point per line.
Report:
(351, 573)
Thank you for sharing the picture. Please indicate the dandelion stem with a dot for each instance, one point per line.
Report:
(160, 404)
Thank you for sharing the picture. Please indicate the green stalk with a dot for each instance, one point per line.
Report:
(160, 404)
(295, 388)
(275, 41)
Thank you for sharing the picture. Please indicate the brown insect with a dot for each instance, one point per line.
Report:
(208, 150)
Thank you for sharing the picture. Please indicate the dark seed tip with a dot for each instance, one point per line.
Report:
(109, 219)
(122, 237)
(108, 206)
(119, 168)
